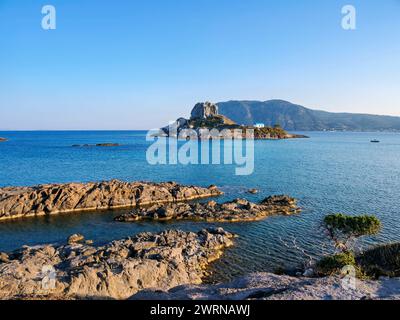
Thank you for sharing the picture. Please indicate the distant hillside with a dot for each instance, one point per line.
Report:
(295, 117)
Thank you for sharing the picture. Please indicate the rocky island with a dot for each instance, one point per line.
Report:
(17, 202)
(106, 144)
(116, 270)
(233, 211)
(2, 139)
(205, 117)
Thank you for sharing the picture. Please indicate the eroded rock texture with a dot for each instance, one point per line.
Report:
(117, 270)
(16, 202)
(234, 211)
(267, 286)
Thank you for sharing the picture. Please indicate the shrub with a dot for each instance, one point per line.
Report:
(383, 260)
(333, 264)
(343, 228)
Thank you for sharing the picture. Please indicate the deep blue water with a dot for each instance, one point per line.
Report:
(331, 172)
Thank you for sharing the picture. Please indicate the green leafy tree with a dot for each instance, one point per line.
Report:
(344, 228)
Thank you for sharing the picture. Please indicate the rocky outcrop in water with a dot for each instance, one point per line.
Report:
(107, 144)
(2, 139)
(206, 123)
(114, 271)
(204, 110)
(267, 286)
(234, 211)
(16, 202)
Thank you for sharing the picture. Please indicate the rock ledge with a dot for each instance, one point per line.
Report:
(234, 211)
(114, 271)
(17, 202)
(267, 286)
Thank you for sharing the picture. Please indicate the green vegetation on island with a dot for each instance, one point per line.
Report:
(206, 116)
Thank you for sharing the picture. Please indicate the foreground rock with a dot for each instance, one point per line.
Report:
(267, 286)
(117, 270)
(16, 202)
(234, 211)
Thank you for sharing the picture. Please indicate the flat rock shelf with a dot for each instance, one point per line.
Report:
(116, 270)
(18, 202)
(234, 211)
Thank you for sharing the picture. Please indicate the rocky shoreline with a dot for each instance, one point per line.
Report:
(117, 270)
(233, 211)
(268, 286)
(18, 202)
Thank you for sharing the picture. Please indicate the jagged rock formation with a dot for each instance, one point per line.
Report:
(114, 271)
(16, 202)
(203, 116)
(204, 110)
(234, 211)
(267, 286)
(205, 123)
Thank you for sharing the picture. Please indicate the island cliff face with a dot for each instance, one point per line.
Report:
(17, 202)
(205, 117)
(204, 111)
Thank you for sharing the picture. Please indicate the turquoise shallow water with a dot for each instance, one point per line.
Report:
(331, 172)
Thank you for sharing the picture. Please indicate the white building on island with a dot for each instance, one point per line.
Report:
(259, 125)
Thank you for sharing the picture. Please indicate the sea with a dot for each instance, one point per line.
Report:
(331, 172)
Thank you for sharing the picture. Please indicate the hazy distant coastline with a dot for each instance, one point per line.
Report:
(294, 117)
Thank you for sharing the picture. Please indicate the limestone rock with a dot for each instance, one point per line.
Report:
(253, 191)
(4, 257)
(204, 110)
(16, 202)
(75, 238)
(267, 286)
(233, 211)
(117, 270)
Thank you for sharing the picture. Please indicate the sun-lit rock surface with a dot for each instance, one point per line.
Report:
(233, 211)
(114, 271)
(268, 286)
(17, 202)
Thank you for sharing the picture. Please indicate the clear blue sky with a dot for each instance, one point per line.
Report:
(138, 64)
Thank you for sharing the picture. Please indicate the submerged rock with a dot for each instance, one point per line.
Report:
(117, 270)
(16, 202)
(233, 211)
(267, 286)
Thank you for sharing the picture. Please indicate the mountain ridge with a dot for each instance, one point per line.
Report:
(297, 117)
